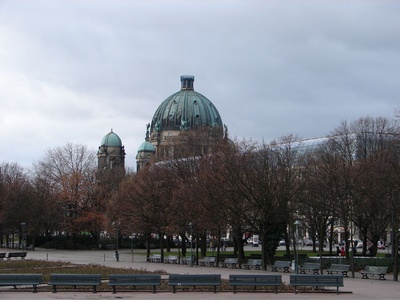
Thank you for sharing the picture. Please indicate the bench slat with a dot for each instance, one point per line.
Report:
(75, 280)
(336, 268)
(21, 279)
(255, 280)
(134, 280)
(21, 255)
(374, 270)
(317, 281)
(195, 280)
(256, 263)
(230, 261)
(314, 267)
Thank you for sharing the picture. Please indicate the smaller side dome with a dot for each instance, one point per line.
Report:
(146, 147)
(111, 140)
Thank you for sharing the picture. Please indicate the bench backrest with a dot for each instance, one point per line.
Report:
(376, 269)
(308, 265)
(134, 278)
(155, 256)
(282, 264)
(75, 278)
(195, 279)
(17, 254)
(254, 262)
(21, 278)
(255, 279)
(320, 280)
(340, 267)
(230, 260)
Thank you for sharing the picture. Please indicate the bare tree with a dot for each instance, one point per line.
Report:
(72, 172)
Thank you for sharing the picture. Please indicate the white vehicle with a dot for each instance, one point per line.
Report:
(255, 240)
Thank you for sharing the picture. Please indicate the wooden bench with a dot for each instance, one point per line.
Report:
(22, 255)
(338, 268)
(208, 260)
(255, 280)
(21, 279)
(93, 280)
(281, 264)
(316, 281)
(230, 261)
(155, 258)
(374, 270)
(171, 259)
(314, 267)
(2, 255)
(195, 280)
(256, 263)
(134, 280)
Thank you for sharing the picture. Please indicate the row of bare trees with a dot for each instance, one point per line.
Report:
(350, 179)
(61, 196)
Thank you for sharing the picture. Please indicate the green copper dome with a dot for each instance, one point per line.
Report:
(111, 140)
(146, 147)
(185, 110)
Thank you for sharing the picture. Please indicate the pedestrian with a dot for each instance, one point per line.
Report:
(343, 252)
(337, 251)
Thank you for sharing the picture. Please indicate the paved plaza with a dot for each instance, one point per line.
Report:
(354, 288)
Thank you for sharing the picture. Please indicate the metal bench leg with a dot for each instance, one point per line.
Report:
(114, 289)
(54, 289)
(154, 289)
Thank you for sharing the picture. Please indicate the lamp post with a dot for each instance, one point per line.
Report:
(115, 225)
(297, 224)
(23, 235)
(191, 243)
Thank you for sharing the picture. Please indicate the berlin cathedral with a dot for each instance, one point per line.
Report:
(183, 111)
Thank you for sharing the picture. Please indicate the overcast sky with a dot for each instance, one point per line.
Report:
(72, 70)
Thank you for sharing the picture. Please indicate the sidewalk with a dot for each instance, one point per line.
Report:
(354, 288)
